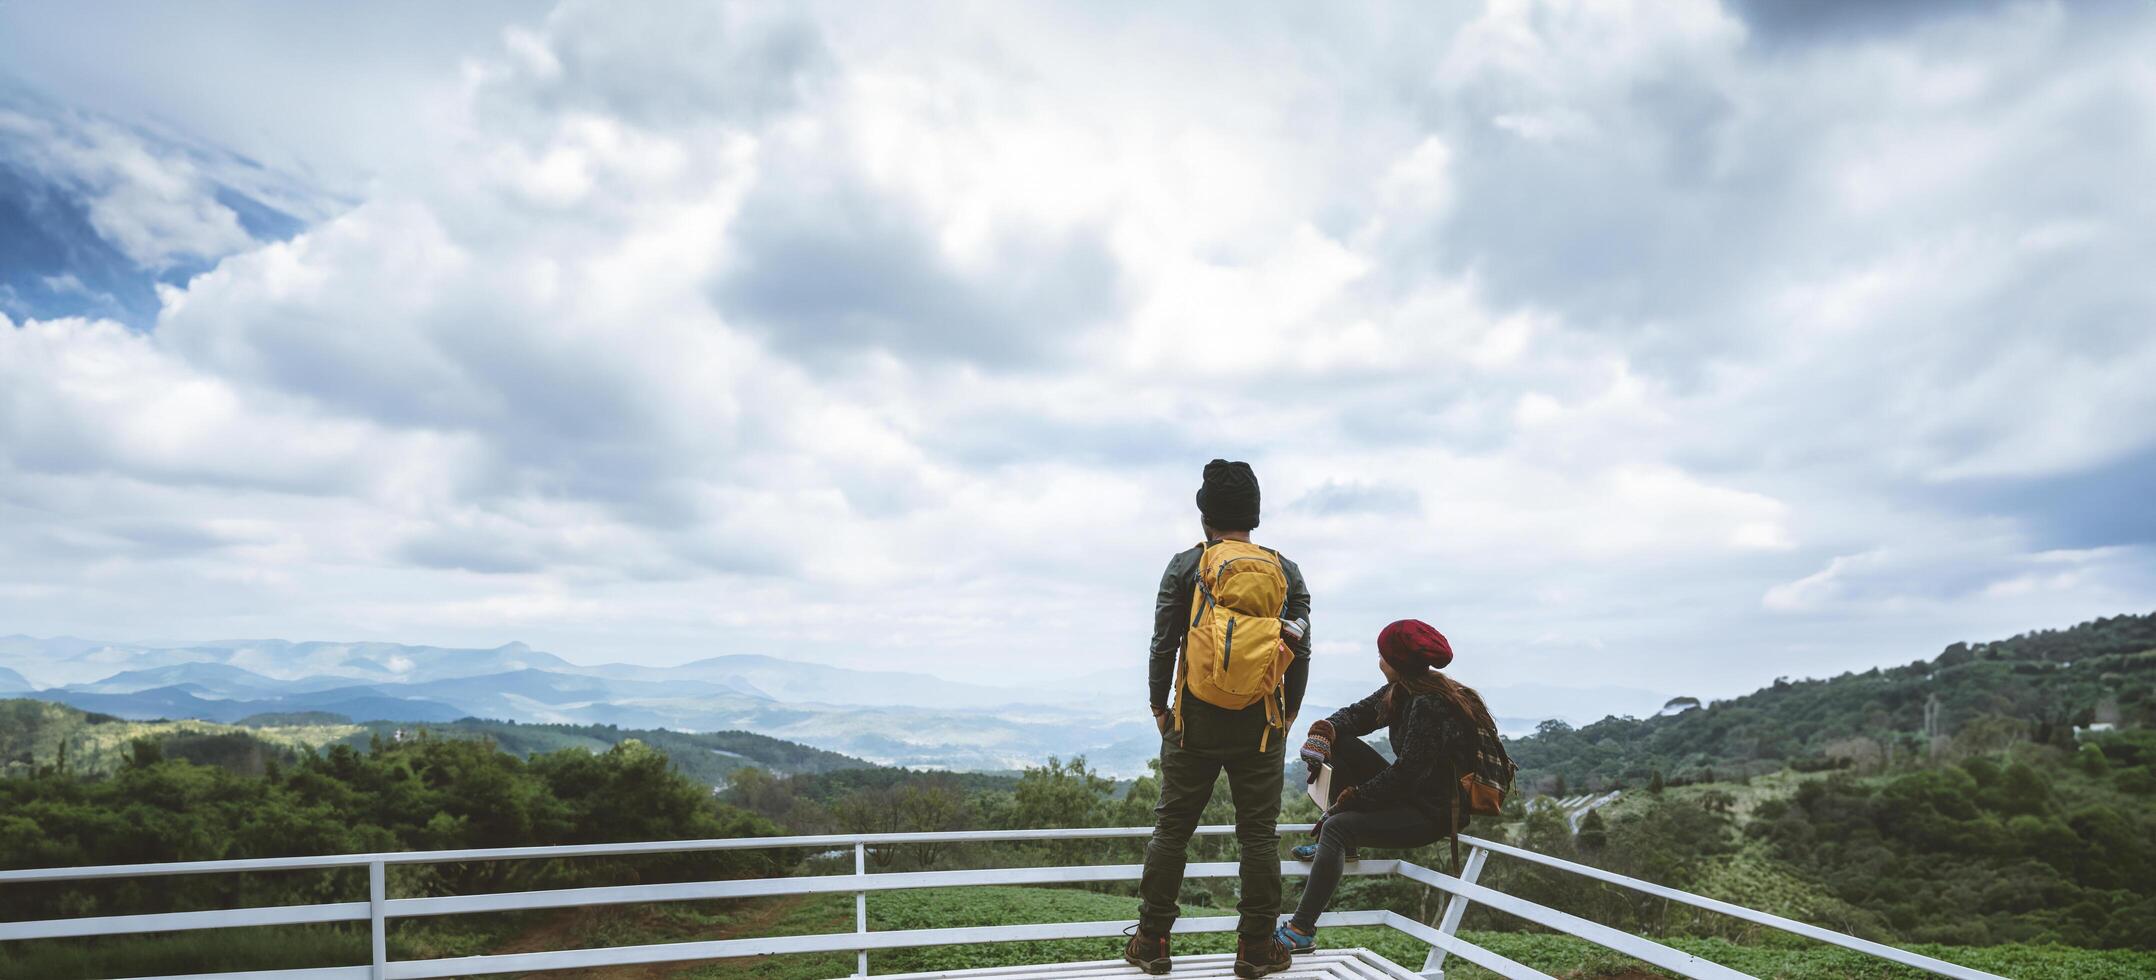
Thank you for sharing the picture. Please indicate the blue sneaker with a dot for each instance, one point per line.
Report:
(1309, 852)
(1293, 941)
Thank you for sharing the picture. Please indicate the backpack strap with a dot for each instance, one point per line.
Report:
(1453, 787)
(1456, 834)
(1182, 668)
(1182, 650)
(1276, 716)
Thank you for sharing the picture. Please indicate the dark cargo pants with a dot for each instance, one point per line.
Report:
(1188, 768)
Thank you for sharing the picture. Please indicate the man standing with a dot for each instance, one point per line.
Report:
(1238, 615)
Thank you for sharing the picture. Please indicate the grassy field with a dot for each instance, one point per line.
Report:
(1780, 957)
(228, 950)
(1747, 795)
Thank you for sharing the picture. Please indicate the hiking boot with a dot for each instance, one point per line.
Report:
(1258, 957)
(1148, 952)
(1309, 852)
(1295, 941)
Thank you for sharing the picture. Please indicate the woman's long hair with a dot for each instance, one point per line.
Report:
(1459, 695)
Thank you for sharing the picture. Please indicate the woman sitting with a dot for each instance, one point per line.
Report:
(1407, 803)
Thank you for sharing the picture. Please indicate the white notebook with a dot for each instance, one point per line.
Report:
(1321, 791)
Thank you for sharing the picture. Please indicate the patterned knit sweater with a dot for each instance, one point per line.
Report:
(1428, 735)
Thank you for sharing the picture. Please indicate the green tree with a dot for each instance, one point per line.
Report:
(1060, 794)
(1136, 807)
(145, 752)
(1063, 794)
(1594, 833)
(2023, 791)
(872, 810)
(928, 804)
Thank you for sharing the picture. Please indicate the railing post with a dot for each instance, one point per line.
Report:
(860, 904)
(1433, 966)
(377, 926)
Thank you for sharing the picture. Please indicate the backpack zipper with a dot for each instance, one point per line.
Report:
(1223, 566)
(1218, 570)
(1207, 605)
(1227, 644)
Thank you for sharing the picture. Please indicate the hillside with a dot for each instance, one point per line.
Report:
(37, 734)
(886, 717)
(2036, 687)
(707, 757)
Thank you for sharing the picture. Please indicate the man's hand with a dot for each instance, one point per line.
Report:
(1161, 717)
(1345, 801)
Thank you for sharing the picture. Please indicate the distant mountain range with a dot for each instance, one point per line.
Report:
(36, 734)
(886, 717)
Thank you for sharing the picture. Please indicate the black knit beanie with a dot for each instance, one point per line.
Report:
(1228, 499)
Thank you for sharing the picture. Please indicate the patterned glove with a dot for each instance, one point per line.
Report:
(1317, 748)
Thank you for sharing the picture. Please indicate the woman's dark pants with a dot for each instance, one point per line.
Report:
(1354, 761)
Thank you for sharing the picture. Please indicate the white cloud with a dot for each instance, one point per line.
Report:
(93, 397)
(1820, 587)
(1615, 345)
(158, 208)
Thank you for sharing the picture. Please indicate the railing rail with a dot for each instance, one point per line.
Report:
(817, 841)
(379, 907)
(1930, 964)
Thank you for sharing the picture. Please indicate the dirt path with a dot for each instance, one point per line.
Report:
(571, 929)
(770, 913)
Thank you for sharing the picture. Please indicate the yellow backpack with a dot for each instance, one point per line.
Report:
(1234, 656)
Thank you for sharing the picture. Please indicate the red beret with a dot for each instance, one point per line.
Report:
(1411, 645)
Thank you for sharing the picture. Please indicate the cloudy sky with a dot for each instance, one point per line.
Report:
(1673, 345)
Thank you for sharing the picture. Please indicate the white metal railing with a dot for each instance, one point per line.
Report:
(379, 908)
